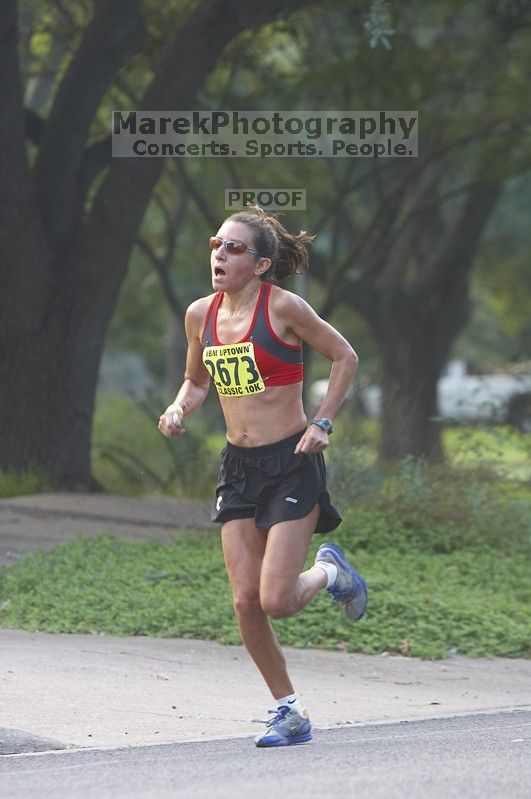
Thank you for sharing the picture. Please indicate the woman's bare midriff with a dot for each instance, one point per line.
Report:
(269, 417)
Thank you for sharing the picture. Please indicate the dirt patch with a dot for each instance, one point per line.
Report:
(43, 520)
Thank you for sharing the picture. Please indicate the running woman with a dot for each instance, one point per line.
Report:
(272, 497)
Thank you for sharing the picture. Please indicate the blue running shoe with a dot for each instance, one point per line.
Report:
(349, 589)
(287, 727)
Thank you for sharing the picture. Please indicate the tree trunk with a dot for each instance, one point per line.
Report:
(46, 413)
(45, 423)
(415, 332)
(409, 402)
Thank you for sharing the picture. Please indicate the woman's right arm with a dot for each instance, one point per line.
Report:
(194, 389)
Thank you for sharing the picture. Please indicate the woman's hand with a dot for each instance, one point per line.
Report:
(170, 423)
(313, 440)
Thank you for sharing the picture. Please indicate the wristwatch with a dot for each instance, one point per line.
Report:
(324, 424)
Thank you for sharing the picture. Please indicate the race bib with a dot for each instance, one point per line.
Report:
(234, 370)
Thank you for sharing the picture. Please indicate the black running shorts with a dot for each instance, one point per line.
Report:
(271, 484)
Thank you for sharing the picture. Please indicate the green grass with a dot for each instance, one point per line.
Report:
(435, 588)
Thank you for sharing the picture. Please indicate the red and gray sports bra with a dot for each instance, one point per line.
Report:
(260, 359)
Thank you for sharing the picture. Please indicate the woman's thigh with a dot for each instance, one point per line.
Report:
(285, 553)
(243, 550)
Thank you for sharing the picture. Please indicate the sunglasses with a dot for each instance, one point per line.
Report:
(232, 247)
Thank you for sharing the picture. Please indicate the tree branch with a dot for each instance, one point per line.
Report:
(164, 277)
(35, 125)
(96, 158)
(200, 201)
(162, 263)
(98, 155)
(114, 34)
(14, 169)
(454, 256)
(24, 254)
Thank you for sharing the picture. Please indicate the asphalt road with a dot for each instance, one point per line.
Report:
(484, 756)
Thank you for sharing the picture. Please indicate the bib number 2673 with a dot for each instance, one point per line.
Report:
(234, 370)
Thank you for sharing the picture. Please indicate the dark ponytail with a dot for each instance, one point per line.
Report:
(289, 254)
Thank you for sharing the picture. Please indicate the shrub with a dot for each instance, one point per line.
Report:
(31, 481)
(130, 456)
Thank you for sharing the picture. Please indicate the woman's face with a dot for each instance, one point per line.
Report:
(231, 272)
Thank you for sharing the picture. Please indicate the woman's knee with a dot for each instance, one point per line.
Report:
(246, 604)
(277, 604)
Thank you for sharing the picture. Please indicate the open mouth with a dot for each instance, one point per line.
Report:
(218, 271)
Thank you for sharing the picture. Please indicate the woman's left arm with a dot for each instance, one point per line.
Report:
(325, 339)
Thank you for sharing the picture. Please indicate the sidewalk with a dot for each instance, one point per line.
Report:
(97, 690)
(83, 690)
